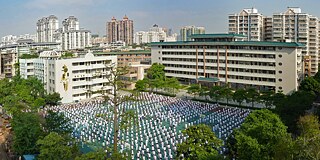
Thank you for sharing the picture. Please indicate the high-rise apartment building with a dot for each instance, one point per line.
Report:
(46, 28)
(155, 34)
(72, 37)
(267, 28)
(295, 26)
(187, 31)
(121, 30)
(248, 22)
(70, 23)
(290, 26)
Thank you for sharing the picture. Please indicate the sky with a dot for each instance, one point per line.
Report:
(20, 16)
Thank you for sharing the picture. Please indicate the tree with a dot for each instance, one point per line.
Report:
(215, 93)
(200, 144)
(260, 137)
(172, 83)
(307, 145)
(52, 99)
(279, 99)
(226, 93)
(21, 94)
(266, 97)
(204, 91)
(156, 75)
(38, 102)
(317, 76)
(310, 84)
(27, 130)
(292, 107)
(251, 96)
(114, 98)
(194, 89)
(141, 85)
(56, 122)
(239, 96)
(96, 155)
(156, 71)
(55, 147)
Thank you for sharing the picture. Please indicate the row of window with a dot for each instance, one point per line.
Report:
(222, 69)
(223, 76)
(215, 47)
(220, 61)
(246, 55)
(89, 63)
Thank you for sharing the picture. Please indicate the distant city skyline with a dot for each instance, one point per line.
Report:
(20, 16)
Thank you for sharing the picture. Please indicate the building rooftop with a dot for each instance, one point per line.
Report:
(234, 43)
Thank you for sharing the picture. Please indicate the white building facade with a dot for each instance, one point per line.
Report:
(223, 58)
(74, 79)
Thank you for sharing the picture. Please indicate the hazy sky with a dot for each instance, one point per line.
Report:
(20, 16)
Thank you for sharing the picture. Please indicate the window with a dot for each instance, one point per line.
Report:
(280, 80)
(280, 72)
(280, 64)
(280, 56)
(280, 88)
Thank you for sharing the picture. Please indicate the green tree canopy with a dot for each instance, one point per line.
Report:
(226, 93)
(52, 99)
(200, 144)
(204, 91)
(194, 89)
(156, 71)
(215, 93)
(317, 77)
(260, 136)
(56, 122)
(310, 84)
(141, 85)
(55, 147)
(172, 83)
(252, 96)
(96, 155)
(291, 107)
(26, 131)
(307, 145)
(239, 96)
(266, 97)
(21, 94)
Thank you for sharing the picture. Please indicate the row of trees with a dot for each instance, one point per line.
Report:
(249, 95)
(288, 107)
